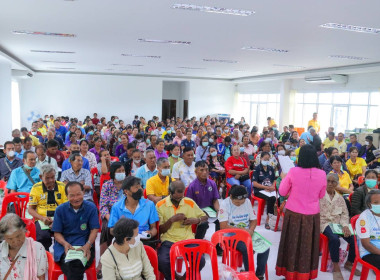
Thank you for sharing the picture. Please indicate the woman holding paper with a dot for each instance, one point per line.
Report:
(21, 257)
(263, 179)
(334, 213)
(298, 253)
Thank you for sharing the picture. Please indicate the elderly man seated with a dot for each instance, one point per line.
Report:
(177, 215)
(334, 211)
(44, 198)
(24, 177)
(78, 174)
(75, 148)
(21, 257)
(9, 162)
(149, 169)
(157, 187)
(75, 227)
(43, 159)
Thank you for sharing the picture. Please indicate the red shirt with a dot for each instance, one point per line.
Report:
(234, 164)
(95, 121)
(59, 157)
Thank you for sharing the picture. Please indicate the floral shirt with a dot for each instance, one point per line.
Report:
(273, 161)
(18, 269)
(108, 197)
(333, 211)
(91, 159)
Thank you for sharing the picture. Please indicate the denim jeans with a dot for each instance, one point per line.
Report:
(247, 184)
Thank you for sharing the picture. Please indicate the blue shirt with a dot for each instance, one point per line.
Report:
(306, 135)
(67, 165)
(146, 213)
(144, 174)
(75, 227)
(123, 157)
(187, 143)
(322, 159)
(61, 132)
(20, 154)
(20, 182)
(349, 145)
(201, 153)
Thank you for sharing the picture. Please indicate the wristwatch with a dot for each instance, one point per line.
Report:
(89, 243)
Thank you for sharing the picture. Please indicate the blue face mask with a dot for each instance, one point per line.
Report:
(375, 208)
(204, 144)
(213, 154)
(265, 162)
(148, 141)
(242, 149)
(165, 172)
(370, 183)
(293, 158)
(27, 167)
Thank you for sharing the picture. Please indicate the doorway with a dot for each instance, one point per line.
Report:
(185, 109)
(169, 108)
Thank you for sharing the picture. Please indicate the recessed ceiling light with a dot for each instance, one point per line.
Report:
(349, 27)
(289, 66)
(25, 32)
(163, 41)
(219, 60)
(138, 55)
(47, 61)
(348, 57)
(50, 51)
(62, 68)
(173, 73)
(207, 9)
(191, 68)
(264, 49)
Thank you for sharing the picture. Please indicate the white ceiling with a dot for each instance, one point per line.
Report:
(106, 29)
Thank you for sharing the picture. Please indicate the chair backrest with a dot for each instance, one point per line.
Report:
(19, 200)
(353, 224)
(360, 180)
(152, 255)
(228, 240)
(145, 196)
(51, 264)
(3, 185)
(113, 159)
(30, 228)
(191, 251)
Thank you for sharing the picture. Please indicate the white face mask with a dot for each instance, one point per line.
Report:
(137, 242)
(287, 147)
(137, 161)
(366, 142)
(268, 140)
(11, 153)
(265, 162)
(281, 153)
(119, 176)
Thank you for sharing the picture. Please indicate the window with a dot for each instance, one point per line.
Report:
(256, 108)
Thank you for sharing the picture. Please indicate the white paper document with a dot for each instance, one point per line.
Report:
(268, 194)
(286, 163)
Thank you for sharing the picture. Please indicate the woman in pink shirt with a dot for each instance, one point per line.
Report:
(298, 253)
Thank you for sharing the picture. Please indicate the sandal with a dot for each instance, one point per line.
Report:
(267, 226)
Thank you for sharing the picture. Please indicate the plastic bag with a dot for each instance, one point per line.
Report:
(226, 272)
(342, 257)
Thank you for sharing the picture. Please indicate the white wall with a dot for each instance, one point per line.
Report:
(83, 94)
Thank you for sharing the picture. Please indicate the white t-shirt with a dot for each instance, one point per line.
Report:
(237, 216)
(183, 172)
(134, 169)
(368, 226)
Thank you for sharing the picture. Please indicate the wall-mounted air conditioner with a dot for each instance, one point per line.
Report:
(328, 79)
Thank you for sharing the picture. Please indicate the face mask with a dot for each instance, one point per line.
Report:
(119, 139)
(119, 176)
(226, 130)
(11, 154)
(174, 156)
(211, 140)
(169, 132)
(116, 120)
(293, 158)
(148, 141)
(268, 140)
(213, 154)
(165, 172)
(91, 133)
(137, 242)
(242, 149)
(137, 161)
(287, 147)
(204, 144)
(265, 162)
(281, 153)
(34, 133)
(366, 142)
(375, 208)
(137, 195)
(28, 167)
(370, 183)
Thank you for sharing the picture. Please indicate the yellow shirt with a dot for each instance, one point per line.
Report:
(35, 141)
(342, 147)
(43, 130)
(155, 186)
(39, 197)
(297, 151)
(344, 179)
(272, 123)
(356, 168)
(314, 124)
(330, 143)
(177, 231)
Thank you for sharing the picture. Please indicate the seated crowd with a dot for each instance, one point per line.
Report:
(147, 183)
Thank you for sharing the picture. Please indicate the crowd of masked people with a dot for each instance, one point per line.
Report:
(148, 183)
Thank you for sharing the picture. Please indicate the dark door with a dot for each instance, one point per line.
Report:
(169, 108)
(185, 109)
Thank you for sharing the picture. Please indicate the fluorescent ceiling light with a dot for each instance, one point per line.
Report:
(289, 66)
(134, 65)
(163, 41)
(348, 57)
(217, 10)
(47, 61)
(144, 56)
(26, 32)
(264, 49)
(349, 27)
(191, 68)
(172, 73)
(62, 68)
(219, 60)
(50, 51)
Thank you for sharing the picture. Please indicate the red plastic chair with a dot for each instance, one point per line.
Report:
(365, 266)
(349, 197)
(228, 239)
(113, 159)
(153, 258)
(55, 270)
(260, 201)
(360, 180)
(324, 249)
(228, 187)
(30, 228)
(192, 256)
(19, 203)
(94, 171)
(3, 185)
(145, 196)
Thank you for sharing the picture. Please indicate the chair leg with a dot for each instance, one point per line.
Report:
(266, 272)
(179, 265)
(353, 269)
(325, 255)
(277, 220)
(365, 271)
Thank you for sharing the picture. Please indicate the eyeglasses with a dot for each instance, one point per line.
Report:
(240, 196)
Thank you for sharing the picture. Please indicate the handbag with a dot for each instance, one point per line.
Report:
(10, 268)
